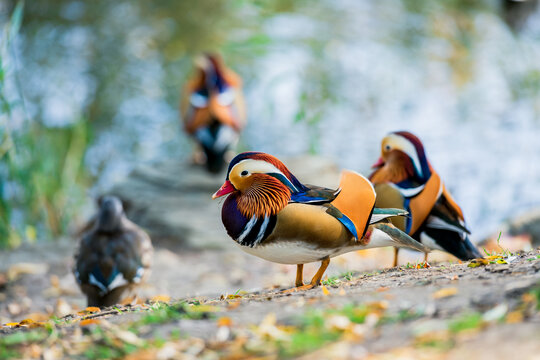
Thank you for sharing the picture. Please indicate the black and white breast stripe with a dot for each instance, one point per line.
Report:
(256, 230)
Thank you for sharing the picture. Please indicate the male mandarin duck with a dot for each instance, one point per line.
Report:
(213, 109)
(272, 215)
(404, 178)
(114, 256)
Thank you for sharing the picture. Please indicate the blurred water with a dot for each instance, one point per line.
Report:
(335, 77)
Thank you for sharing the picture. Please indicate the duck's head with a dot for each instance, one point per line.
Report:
(262, 183)
(110, 213)
(403, 149)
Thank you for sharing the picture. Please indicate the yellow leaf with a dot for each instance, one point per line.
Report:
(38, 317)
(325, 290)
(87, 322)
(92, 309)
(204, 308)
(12, 324)
(224, 321)
(514, 317)
(161, 298)
(445, 292)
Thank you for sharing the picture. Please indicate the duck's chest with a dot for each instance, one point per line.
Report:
(247, 232)
(297, 234)
(292, 252)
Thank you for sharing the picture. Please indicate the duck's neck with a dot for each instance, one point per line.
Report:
(398, 169)
(244, 229)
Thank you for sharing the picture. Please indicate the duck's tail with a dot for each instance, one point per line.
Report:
(386, 234)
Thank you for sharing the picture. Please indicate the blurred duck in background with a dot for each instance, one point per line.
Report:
(213, 109)
(272, 215)
(404, 178)
(114, 256)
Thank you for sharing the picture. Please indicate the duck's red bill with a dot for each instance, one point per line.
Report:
(225, 189)
(379, 163)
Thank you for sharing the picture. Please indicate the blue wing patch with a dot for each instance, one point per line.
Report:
(349, 225)
(304, 198)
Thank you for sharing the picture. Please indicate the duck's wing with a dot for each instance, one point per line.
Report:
(355, 201)
(447, 215)
(315, 195)
(351, 203)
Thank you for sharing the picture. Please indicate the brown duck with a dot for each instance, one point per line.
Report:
(269, 213)
(114, 256)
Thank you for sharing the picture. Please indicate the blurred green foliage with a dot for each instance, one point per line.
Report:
(43, 178)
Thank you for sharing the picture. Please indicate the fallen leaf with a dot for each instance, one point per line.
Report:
(233, 305)
(62, 308)
(87, 322)
(16, 270)
(161, 298)
(342, 292)
(129, 337)
(382, 289)
(325, 290)
(445, 292)
(92, 309)
(514, 317)
(224, 321)
(38, 316)
(233, 296)
(129, 300)
(204, 308)
(146, 354)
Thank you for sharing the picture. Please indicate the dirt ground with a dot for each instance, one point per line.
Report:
(450, 310)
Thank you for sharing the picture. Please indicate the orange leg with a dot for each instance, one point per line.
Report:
(396, 252)
(316, 281)
(299, 275)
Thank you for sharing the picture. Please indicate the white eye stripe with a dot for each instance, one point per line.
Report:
(408, 148)
(262, 167)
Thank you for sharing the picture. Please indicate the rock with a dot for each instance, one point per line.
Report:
(173, 201)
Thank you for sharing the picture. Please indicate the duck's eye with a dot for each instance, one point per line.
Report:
(244, 173)
(387, 147)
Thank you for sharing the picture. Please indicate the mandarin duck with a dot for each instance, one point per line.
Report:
(213, 109)
(404, 178)
(269, 213)
(114, 256)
